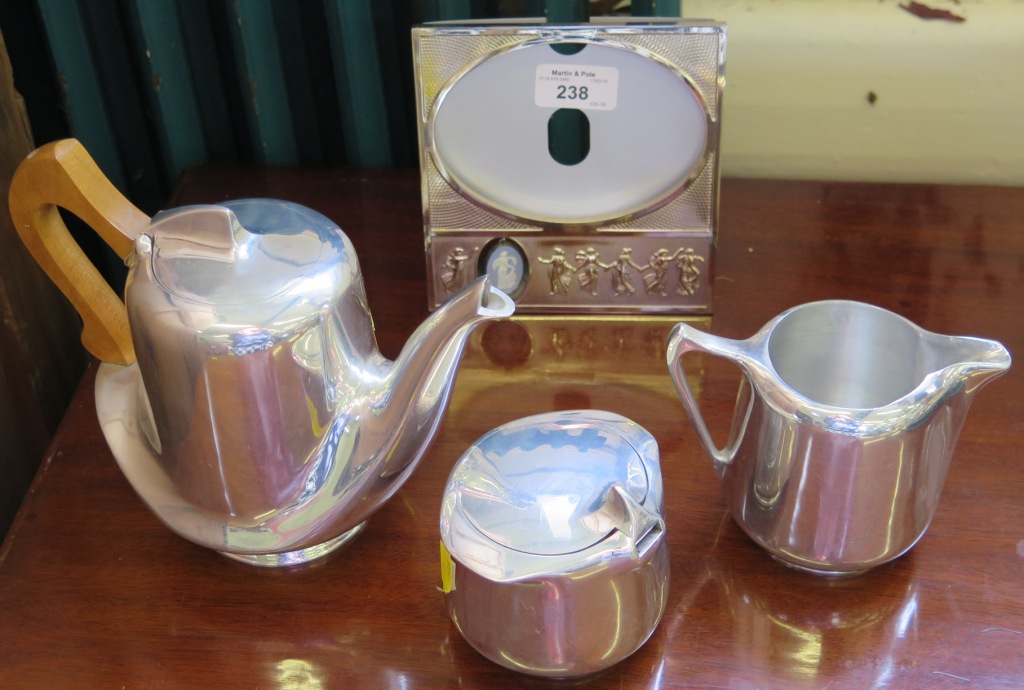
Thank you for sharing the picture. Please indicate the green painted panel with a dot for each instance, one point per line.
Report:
(298, 81)
(125, 105)
(657, 8)
(533, 8)
(453, 9)
(394, 50)
(363, 108)
(265, 98)
(568, 11)
(201, 41)
(168, 84)
(80, 85)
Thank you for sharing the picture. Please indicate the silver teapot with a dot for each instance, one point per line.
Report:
(241, 389)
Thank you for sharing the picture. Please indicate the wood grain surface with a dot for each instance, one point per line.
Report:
(96, 593)
(63, 174)
(40, 358)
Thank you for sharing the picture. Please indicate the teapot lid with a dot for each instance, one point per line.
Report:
(244, 251)
(558, 485)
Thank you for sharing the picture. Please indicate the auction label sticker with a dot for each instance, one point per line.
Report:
(576, 86)
(447, 570)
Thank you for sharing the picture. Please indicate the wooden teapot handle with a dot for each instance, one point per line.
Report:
(64, 174)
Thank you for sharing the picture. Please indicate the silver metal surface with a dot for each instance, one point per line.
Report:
(652, 251)
(260, 419)
(844, 428)
(554, 527)
(526, 190)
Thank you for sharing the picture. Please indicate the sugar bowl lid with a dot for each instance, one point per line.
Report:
(551, 492)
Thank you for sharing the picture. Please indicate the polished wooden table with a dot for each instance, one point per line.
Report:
(96, 593)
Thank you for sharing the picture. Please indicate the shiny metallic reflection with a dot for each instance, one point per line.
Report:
(396, 680)
(844, 429)
(260, 419)
(557, 543)
(794, 628)
(297, 674)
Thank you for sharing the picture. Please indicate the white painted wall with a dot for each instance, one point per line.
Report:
(949, 96)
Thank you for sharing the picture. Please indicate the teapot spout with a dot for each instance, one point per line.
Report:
(420, 381)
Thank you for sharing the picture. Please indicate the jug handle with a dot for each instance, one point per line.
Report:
(63, 174)
(682, 339)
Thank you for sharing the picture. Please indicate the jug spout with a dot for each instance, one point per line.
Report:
(971, 361)
(419, 383)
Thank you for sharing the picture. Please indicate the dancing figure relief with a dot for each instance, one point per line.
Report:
(689, 273)
(588, 267)
(622, 283)
(506, 266)
(560, 273)
(657, 279)
(452, 273)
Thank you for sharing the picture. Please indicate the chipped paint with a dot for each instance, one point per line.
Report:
(924, 12)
